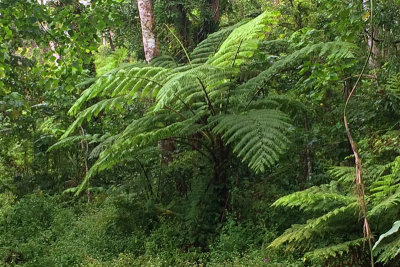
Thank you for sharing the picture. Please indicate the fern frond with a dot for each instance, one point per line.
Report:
(258, 136)
(137, 133)
(164, 62)
(299, 236)
(104, 142)
(140, 134)
(134, 81)
(393, 230)
(208, 47)
(386, 189)
(385, 186)
(342, 174)
(243, 41)
(316, 198)
(388, 250)
(393, 85)
(66, 142)
(106, 105)
(337, 50)
(194, 86)
(392, 201)
(333, 250)
(109, 160)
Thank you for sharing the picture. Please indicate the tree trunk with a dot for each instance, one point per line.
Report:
(216, 10)
(220, 181)
(151, 50)
(184, 26)
(210, 15)
(375, 53)
(148, 23)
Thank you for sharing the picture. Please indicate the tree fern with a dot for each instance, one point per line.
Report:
(340, 211)
(195, 99)
(334, 209)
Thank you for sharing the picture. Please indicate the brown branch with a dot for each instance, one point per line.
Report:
(189, 144)
(376, 40)
(359, 182)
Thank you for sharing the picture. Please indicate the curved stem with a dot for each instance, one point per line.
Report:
(359, 183)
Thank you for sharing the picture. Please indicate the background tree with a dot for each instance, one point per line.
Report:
(149, 33)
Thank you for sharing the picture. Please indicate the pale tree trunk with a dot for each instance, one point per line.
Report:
(375, 53)
(151, 50)
(149, 34)
(276, 2)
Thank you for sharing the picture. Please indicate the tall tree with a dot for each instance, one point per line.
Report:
(149, 33)
(216, 10)
(372, 33)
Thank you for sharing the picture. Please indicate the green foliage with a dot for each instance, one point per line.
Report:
(208, 47)
(388, 250)
(334, 251)
(332, 50)
(385, 192)
(339, 208)
(301, 236)
(243, 41)
(184, 96)
(317, 198)
(106, 60)
(259, 136)
(393, 86)
(217, 153)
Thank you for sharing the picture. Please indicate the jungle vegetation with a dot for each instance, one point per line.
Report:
(199, 133)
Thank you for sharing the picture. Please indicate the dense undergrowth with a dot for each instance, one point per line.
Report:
(118, 230)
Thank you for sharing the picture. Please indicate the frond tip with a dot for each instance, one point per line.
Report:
(259, 136)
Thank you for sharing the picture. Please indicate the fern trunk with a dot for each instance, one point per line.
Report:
(220, 179)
